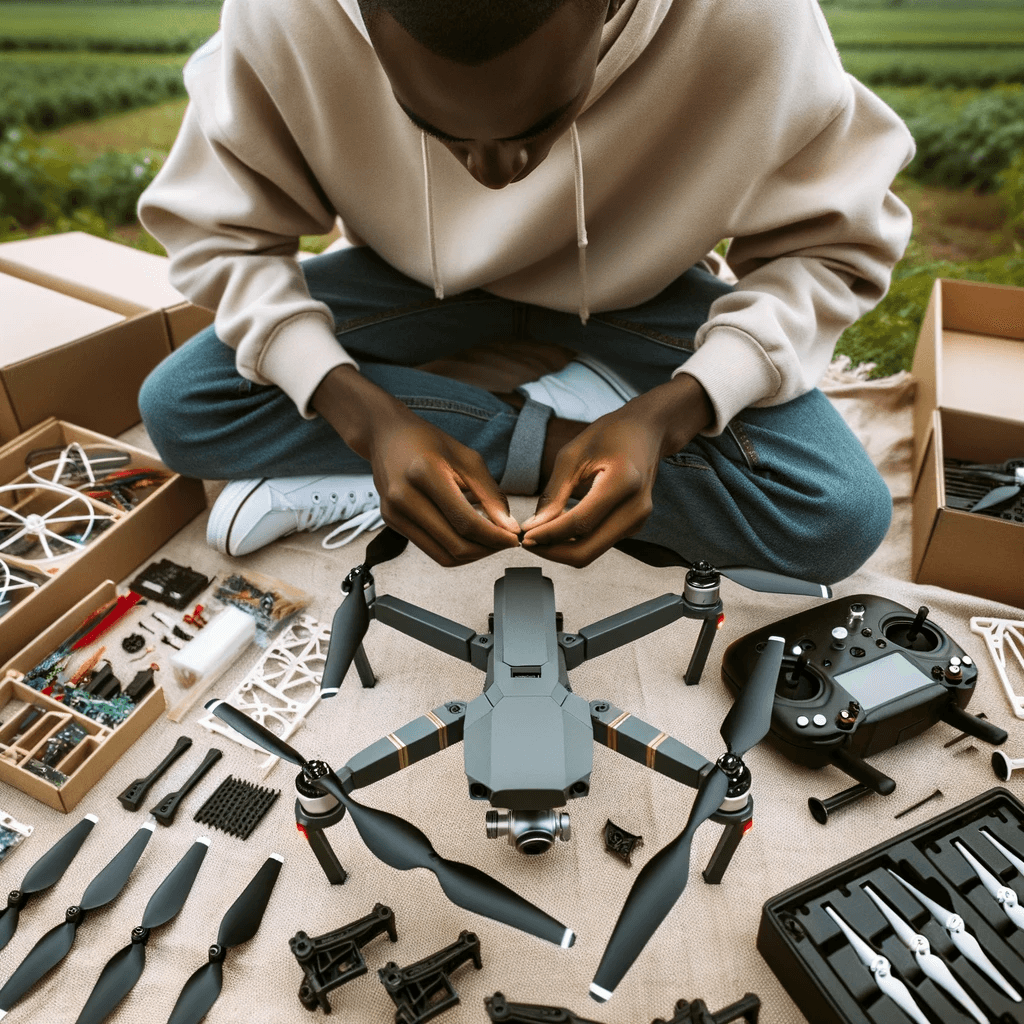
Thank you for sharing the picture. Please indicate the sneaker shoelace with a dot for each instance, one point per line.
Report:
(358, 512)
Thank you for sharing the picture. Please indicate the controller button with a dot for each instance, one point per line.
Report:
(880, 643)
(937, 672)
(827, 662)
(803, 721)
(820, 721)
(858, 652)
(967, 660)
(866, 632)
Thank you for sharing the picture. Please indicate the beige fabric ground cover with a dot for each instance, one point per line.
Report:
(706, 946)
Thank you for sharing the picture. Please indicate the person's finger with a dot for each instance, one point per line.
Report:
(432, 534)
(559, 490)
(464, 518)
(492, 500)
(608, 491)
(625, 521)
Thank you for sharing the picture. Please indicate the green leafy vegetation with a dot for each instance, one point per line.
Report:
(49, 94)
(128, 28)
(937, 68)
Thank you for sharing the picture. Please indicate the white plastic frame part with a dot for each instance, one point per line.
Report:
(60, 464)
(1003, 636)
(9, 582)
(38, 525)
(282, 686)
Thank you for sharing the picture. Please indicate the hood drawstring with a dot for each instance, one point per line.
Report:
(581, 223)
(429, 195)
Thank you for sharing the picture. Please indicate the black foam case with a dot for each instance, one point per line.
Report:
(822, 973)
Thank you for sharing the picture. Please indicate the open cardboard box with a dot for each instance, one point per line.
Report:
(87, 762)
(106, 274)
(119, 540)
(62, 356)
(969, 364)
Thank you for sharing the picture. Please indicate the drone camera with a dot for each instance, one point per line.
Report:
(530, 832)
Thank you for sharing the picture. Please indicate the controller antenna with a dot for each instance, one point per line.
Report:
(915, 626)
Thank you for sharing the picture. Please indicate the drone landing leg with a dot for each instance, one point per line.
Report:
(312, 827)
(362, 663)
(727, 843)
(708, 629)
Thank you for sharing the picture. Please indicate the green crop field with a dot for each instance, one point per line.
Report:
(61, 26)
(927, 27)
(935, 67)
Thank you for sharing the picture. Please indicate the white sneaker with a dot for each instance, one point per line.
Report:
(251, 513)
(583, 390)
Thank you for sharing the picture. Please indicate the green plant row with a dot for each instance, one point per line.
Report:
(38, 183)
(909, 26)
(46, 95)
(71, 44)
(938, 78)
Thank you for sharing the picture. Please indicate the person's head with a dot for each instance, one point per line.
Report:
(496, 82)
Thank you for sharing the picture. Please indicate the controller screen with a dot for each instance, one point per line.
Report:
(880, 681)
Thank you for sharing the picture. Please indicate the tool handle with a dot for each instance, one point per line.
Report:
(133, 796)
(165, 811)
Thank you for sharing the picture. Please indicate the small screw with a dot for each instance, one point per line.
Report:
(920, 803)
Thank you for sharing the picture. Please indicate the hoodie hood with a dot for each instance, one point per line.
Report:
(622, 40)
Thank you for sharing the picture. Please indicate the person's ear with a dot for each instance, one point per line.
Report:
(613, 9)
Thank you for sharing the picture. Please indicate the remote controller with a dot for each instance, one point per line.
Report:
(860, 675)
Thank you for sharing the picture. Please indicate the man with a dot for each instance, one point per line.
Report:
(548, 168)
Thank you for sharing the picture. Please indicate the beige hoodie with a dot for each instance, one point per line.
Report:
(708, 119)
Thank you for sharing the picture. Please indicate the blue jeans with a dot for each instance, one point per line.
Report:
(787, 488)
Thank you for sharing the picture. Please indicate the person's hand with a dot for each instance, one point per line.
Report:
(612, 466)
(426, 480)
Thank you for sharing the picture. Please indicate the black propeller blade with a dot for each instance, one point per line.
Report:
(352, 618)
(238, 925)
(403, 846)
(46, 871)
(761, 580)
(125, 967)
(57, 942)
(663, 879)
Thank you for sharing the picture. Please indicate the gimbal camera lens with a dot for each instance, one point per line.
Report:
(530, 832)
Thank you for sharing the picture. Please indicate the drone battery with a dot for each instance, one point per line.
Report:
(214, 648)
(172, 584)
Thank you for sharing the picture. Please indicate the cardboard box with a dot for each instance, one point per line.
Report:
(969, 364)
(119, 543)
(94, 755)
(106, 274)
(61, 356)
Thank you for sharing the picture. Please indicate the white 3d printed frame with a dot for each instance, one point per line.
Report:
(1001, 637)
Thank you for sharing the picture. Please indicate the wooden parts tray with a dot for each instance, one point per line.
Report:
(120, 540)
(87, 762)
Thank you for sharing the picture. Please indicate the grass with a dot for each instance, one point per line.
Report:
(865, 63)
(927, 27)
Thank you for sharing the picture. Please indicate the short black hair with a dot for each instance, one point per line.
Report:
(471, 31)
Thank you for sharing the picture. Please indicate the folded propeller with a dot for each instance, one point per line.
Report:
(663, 879)
(57, 942)
(402, 845)
(46, 872)
(125, 967)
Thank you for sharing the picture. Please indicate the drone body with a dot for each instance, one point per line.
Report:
(529, 738)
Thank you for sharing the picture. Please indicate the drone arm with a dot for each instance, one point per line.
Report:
(446, 635)
(632, 737)
(415, 741)
(626, 626)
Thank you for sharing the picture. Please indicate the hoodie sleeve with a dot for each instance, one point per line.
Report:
(804, 278)
(229, 205)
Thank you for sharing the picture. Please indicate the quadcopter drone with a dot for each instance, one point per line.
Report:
(528, 738)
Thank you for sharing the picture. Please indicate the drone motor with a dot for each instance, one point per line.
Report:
(530, 832)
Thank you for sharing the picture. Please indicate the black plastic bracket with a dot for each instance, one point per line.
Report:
(423, 990)
(167, 808)
(748, 1008)
(133, 796)
(335, 958)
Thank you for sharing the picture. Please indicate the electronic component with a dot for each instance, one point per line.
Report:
(12, 834)
(841, 699)
(175, 585)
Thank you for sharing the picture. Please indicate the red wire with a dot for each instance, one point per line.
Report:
(122, 606)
